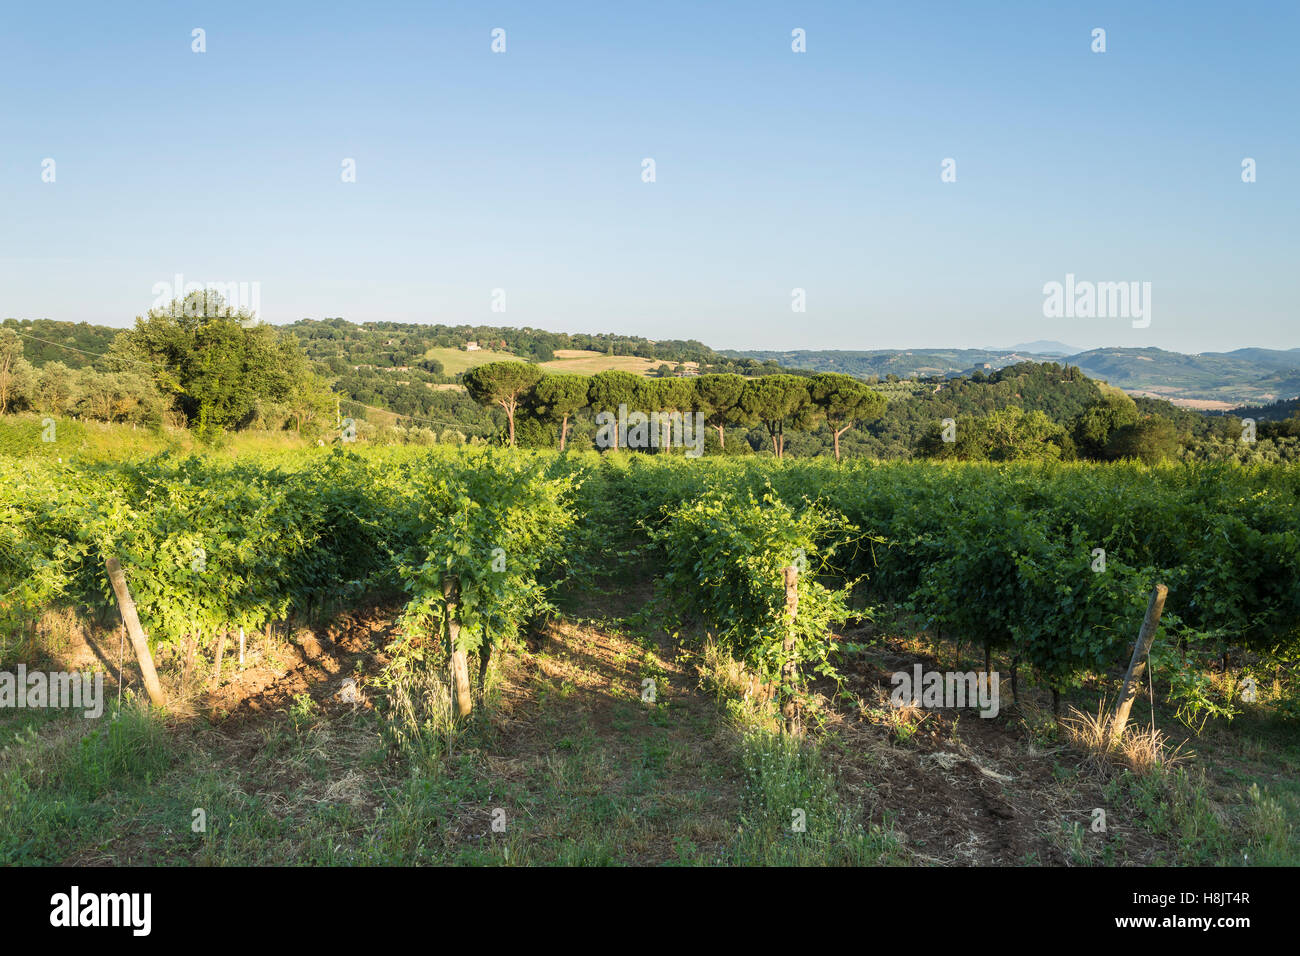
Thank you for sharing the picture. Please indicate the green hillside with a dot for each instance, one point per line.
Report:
(1258, 375)
(1244, 376)
(73, 343)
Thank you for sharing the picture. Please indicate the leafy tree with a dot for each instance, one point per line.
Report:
(845, 401)
(218, 363)
(718, 397)
(15, 372)
(1012, 434)
(556, 397)
(118, 396)
(541, 351)
(56, 388)
(666, 395)
(774, 400)
(1008, 434)
(216, 376)
(310, 403)
(1092, 429)
(1150, 440)
(502, 383)
(1287, 428)
(607, 390)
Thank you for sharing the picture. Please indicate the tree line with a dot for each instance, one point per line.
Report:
(201, 365)
(342, 345)
(1029, 412)
(775, 402)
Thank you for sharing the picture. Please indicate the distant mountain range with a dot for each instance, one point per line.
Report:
(1041, 347)
(1247, 376)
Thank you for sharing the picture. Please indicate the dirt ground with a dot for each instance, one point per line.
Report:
(965, 789)
(584, 762)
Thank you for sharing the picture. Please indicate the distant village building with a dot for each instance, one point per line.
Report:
(471, 347)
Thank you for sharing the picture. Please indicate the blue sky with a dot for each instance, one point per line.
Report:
(774, 170)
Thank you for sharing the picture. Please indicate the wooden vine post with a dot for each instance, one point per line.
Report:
(789, 708)
(221, 652)
(1138, 665)
(459, 660)
(135, 631)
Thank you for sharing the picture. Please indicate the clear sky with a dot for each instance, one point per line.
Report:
(774, 170)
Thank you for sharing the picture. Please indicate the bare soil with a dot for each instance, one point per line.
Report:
(572, 741)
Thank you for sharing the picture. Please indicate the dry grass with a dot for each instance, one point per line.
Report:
(749, 702)
(1142, 749)
(44, 641)
(902, 721)
(584, 362)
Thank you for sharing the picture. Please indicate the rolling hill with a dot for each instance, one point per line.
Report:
(1252, 376)
(1212, 381)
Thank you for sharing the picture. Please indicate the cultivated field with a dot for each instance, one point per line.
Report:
(585, 362)
(455, 361)
(500, 657)
(580, 361)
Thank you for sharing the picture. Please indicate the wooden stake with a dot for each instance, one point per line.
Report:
(191, 648)
(789, 708)
(135, 631)
(1138, 664)
(241, 647)
(459, 661)
(221, 652)
(484, 658)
